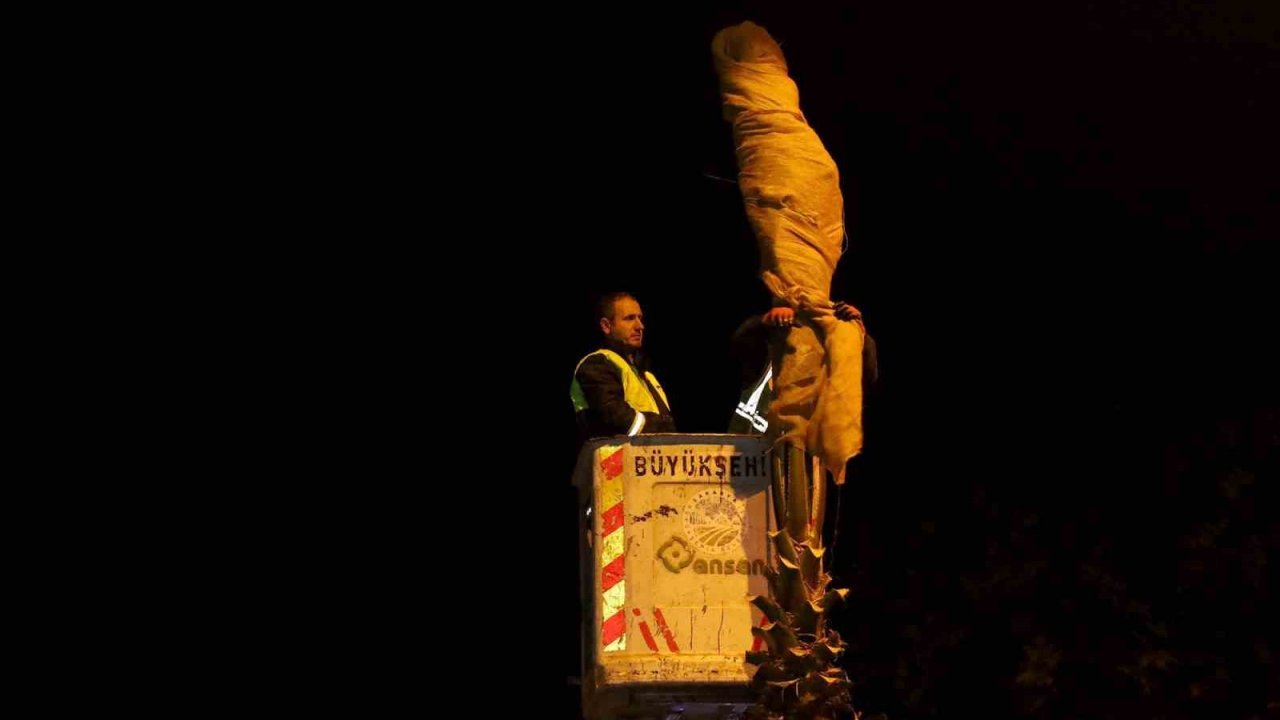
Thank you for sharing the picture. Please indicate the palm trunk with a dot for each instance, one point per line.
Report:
(798, 678)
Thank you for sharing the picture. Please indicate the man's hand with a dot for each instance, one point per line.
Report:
(847, 312)
(779, 317)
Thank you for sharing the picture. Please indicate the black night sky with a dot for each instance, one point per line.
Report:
(1063, 221)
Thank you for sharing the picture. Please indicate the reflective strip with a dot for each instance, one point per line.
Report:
(754, 400)
(748, 409)
(756, 421)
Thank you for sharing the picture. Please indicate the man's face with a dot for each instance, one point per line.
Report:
(627, 325)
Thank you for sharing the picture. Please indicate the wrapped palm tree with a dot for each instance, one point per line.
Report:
(791, 191)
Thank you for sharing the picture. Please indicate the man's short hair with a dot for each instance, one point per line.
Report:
(604, 309)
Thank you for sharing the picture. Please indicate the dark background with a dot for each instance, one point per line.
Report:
(1063, 224)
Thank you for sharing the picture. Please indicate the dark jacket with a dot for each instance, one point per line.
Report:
(607, 412)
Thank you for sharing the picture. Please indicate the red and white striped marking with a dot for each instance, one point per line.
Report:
(613, 585)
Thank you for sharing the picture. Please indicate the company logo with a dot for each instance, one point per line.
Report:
(715, 521)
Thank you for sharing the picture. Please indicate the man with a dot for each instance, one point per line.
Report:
(612, 392)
